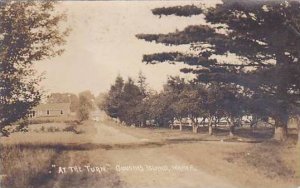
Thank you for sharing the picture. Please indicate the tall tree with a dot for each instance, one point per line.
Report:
(131, 98)
(175, 106)
(112, 103)
(265, 38)
(141, 82)
(159, 108)
(100, 100)
(190, 104)
(86, 104)
(213, 105)
(29, 32)
(88, 95)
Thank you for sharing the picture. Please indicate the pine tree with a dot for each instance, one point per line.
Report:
(112, 103)
(265, 37)
(141, 81)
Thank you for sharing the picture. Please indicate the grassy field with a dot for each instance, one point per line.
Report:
(27, 159)
(32, 167)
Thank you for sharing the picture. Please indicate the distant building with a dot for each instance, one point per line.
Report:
(50, 110)
(97, 115)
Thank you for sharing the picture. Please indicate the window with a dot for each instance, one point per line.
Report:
(61, 112)
(48, 112)
(32, 114)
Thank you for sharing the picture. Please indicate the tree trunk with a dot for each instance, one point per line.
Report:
(210, 131)
(298, 125)
(194, 123)
(231, 130)
(195, 128)
(144, 123)
(280, 133)
(281, 120)
(216, 122)
(180, 126)
(231, 126)
(298, 132)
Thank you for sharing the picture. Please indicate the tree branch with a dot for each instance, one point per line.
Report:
(294, 30)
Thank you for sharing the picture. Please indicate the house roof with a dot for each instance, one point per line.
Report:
(52, 106)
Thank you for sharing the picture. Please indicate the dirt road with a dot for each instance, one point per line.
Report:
(110, 135)
(152, 167)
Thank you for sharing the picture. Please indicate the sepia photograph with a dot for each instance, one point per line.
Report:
(149, 94)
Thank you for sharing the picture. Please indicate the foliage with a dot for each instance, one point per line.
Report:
(265, 38)
(178, 100)
(187, 10)
(141, 83)
(125, 101)
(112, 102)
(85, 106)
(100, 100)
(29, 32)
(159, 110)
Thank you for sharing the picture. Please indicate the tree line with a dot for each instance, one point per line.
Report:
(202, 104)
(264, 36)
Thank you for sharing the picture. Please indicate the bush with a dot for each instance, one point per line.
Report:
(23, 126)
(53, 129)
(73, 128)
(40, 121)
(69, 129)
(83, 114)
(85, 106)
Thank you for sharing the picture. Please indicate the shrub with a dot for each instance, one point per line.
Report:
(23, 126)
(73, 128)
(53, 129)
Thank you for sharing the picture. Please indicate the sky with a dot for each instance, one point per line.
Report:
(102, 45)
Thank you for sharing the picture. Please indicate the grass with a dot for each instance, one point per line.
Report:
(26, 158)
(58, 123)
(39, 120)
(271, 158)
(23, 167)
(30, 166)
(57, 127)
(53, 119)
(266, 158)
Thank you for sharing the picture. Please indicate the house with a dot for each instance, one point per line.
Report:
(50, 110)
